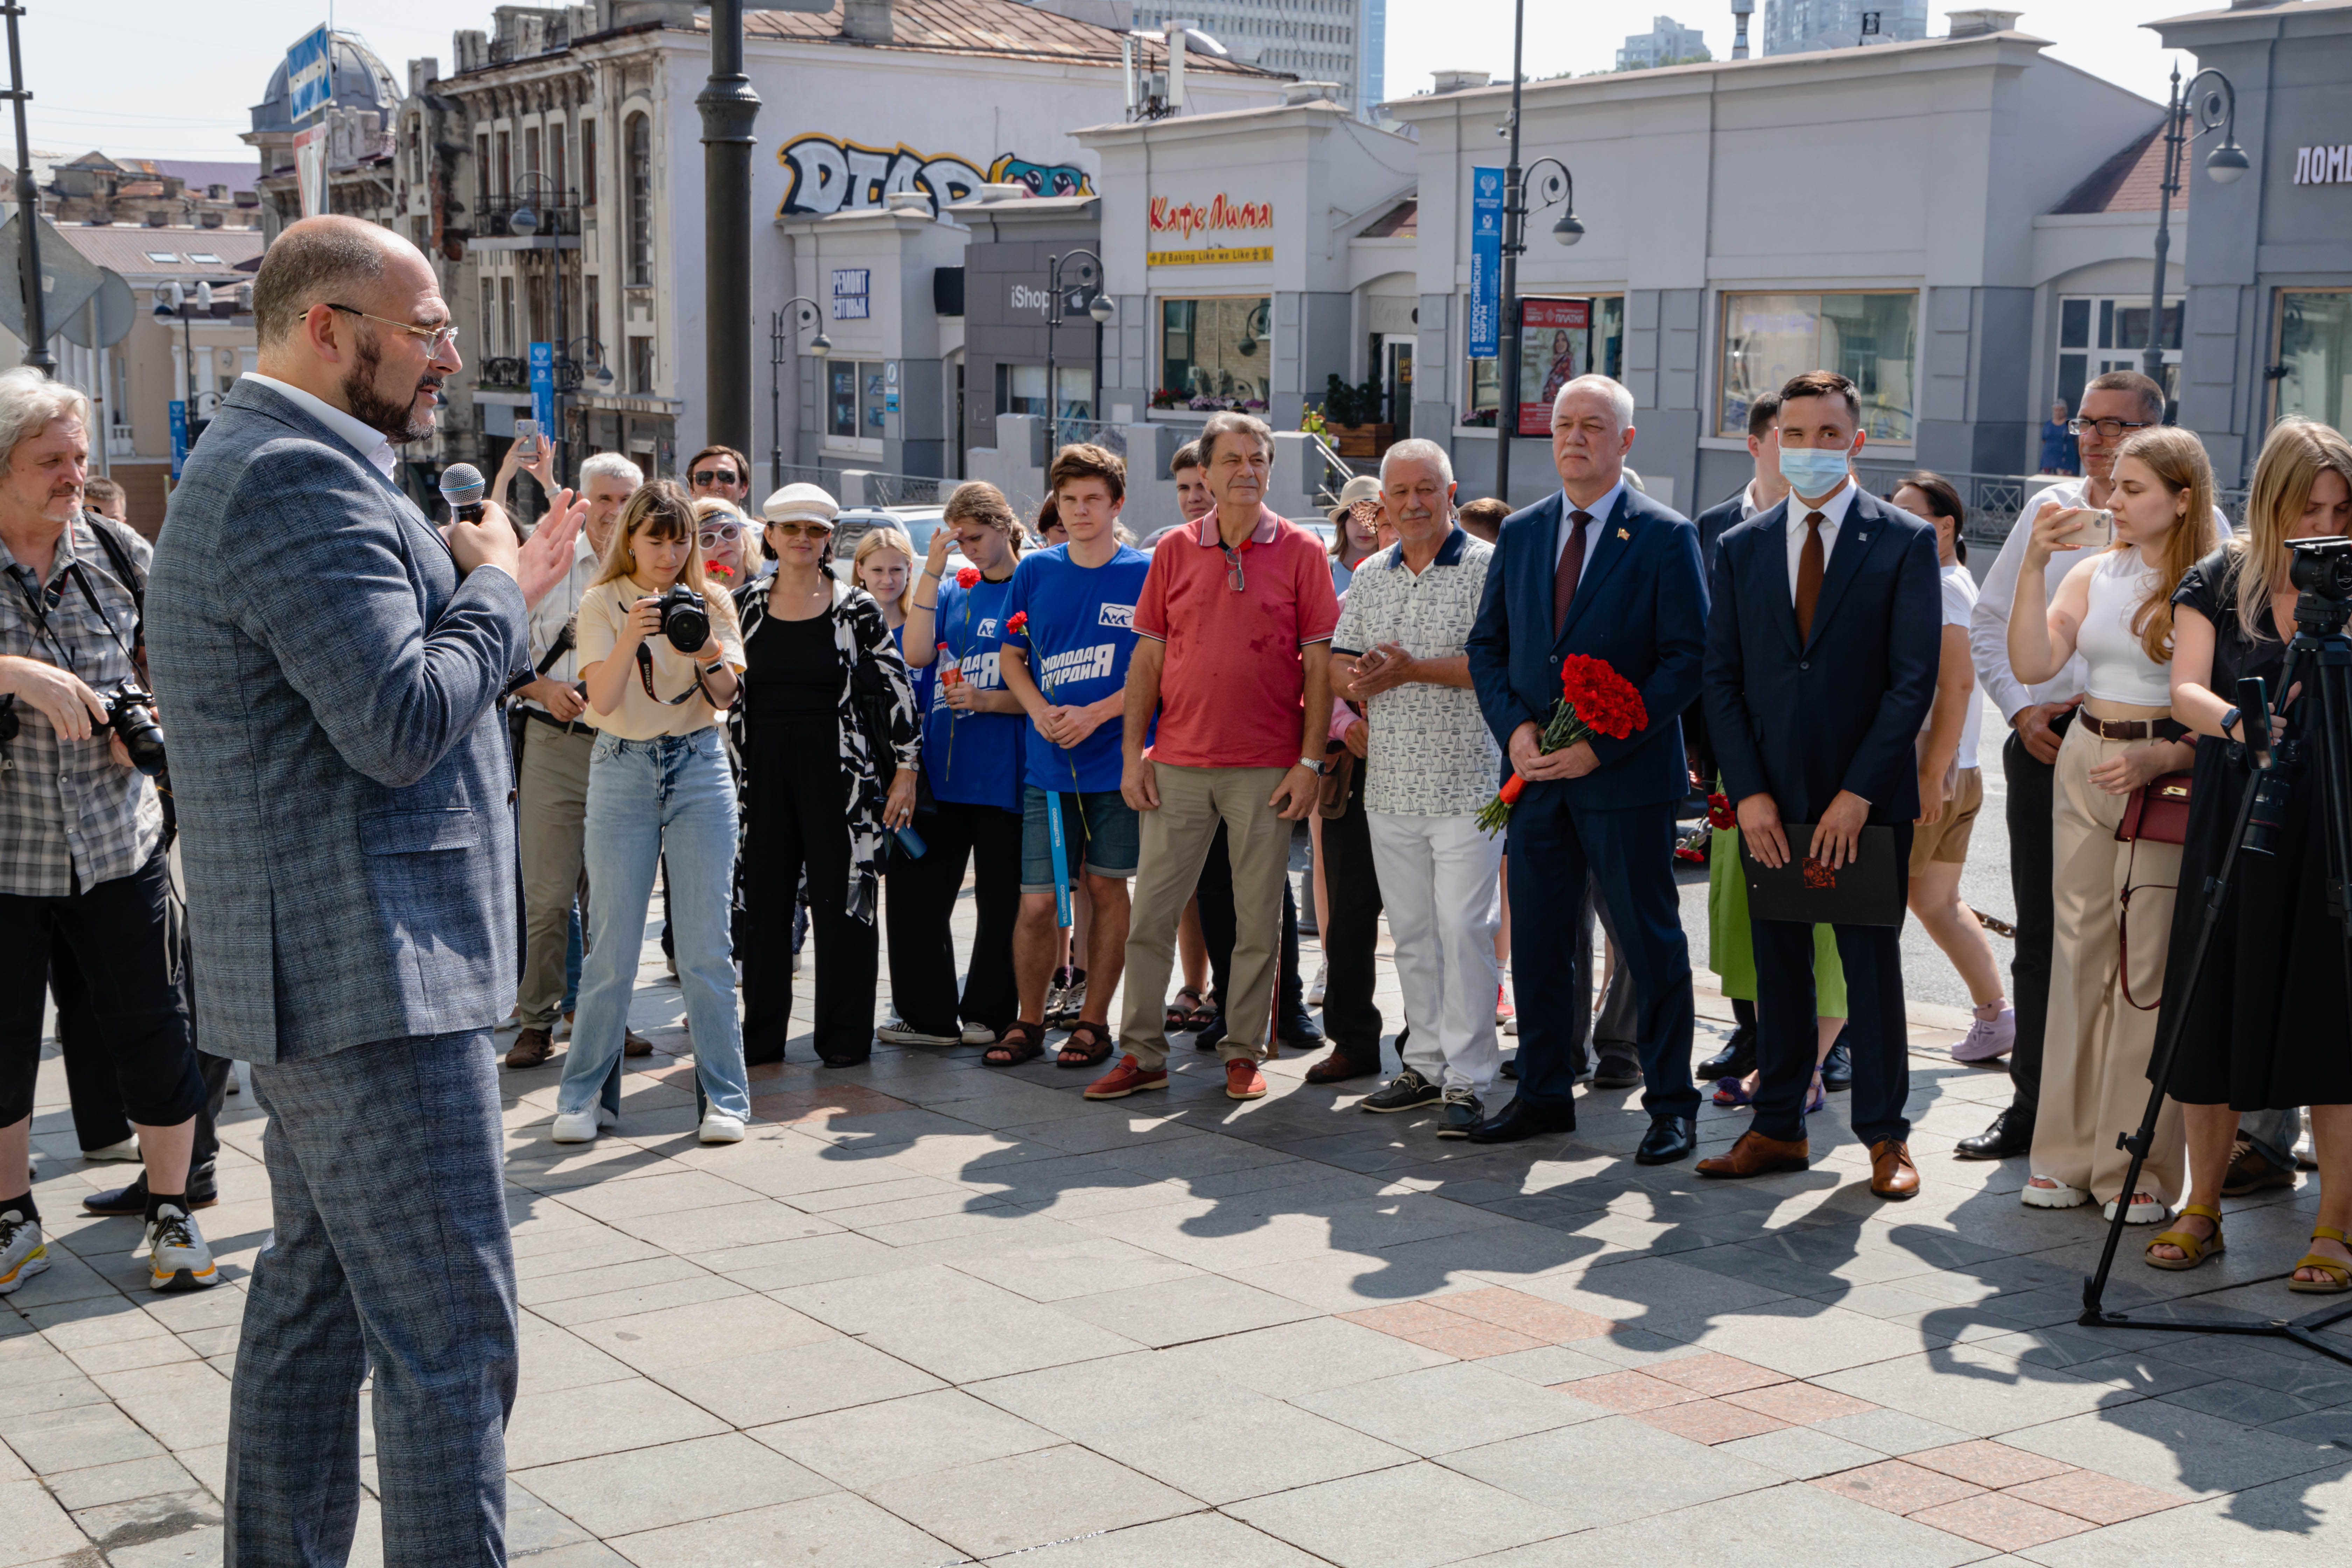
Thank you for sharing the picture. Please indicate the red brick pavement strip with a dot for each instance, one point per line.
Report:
(1419, 1323)
(1708, 1421)
(2001, 1520)
(1713, 1372)
(1801, 1404)
(1989, 1464)
(1628, 1392)
(1522, 1313)
(2102, 1499)
(1897, 1487)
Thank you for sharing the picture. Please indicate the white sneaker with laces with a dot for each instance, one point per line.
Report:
(718, 1127)
(897, 1033)
(979, 1034)
(23, 1253)
(178, 1259)
(1988, 1040)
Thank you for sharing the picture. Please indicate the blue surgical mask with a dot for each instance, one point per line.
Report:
(1812, 470)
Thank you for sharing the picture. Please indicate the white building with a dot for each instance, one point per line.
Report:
(1338, 41)
(1667, 43)
(1800, 26)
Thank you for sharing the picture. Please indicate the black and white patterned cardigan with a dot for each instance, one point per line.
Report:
(859, 634)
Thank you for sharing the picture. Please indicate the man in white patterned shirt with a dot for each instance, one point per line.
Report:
(1432, 763)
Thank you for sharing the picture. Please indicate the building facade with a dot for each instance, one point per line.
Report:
(1801, 26)
(1335, 41)
(1667, 43)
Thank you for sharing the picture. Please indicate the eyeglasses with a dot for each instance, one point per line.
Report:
(1234, 579)
(712, 538)
(819, 531)
(2108, 429)
(438, 341)
(713, 476)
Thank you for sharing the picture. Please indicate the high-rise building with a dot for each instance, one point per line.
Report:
(1666, 43)
(1800, 26)
(1338, 41)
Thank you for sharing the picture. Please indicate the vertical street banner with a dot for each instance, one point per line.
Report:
(1486, 263)
(179, 437)
(543, 387)
(310, 169)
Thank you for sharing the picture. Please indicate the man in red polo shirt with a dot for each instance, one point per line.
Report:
(1230, 609)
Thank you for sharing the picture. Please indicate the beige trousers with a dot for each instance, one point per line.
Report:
(1175, 841)
(2096, 1044)
(550, 809)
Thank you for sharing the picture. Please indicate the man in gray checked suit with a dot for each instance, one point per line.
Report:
(330, 667)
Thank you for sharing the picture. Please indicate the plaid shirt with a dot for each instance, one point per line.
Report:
(70, 816)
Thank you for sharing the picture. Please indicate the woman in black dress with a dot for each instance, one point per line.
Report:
(2268, 1026)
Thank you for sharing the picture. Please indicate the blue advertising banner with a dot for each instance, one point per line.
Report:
(1486, 263)
(310, 75)
(543, 387)
(179, 437)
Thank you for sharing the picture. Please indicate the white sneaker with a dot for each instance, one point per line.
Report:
(127, 1149)
(979, 1034)
(1322, 978)
(23, 1253)
(178, 1259)
(718, 1127)
(2145, 1210)
(897, 1033)
(582, 1126)
(2056, 1195)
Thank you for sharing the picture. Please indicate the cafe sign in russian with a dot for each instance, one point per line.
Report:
(2322, 166)
(1220, 215)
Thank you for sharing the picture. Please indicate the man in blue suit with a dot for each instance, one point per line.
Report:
(1820, 664)
(331, 665)
(1600, 570)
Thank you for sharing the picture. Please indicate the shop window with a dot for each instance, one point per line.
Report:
(1213, 353)
(640, 134)
(1558, 341)
(2313, 374)
(507, 337)
(641, 366)
(854, 409)
(2097, 335)
(1871, 339)
(1021, 389)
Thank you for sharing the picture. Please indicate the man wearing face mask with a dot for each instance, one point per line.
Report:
(1821, 663)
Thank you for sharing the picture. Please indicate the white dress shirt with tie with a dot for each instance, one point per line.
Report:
(1832, 513)
(1599, 512)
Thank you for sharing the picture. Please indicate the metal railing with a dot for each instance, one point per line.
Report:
(1327, 492)
(558, 211)
(1994, 500)
(881, 489)
(1071, 431)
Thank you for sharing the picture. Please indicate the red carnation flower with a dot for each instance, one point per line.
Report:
(1720, 813)
(1019, 624)
(1594, 699)
(967, 578)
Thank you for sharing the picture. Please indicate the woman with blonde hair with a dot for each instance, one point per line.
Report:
(2266, 1029)
(2116, 607)
(660, 793)
(884, 565)
(719, 528)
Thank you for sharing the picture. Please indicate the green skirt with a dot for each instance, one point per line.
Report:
(1731, 945)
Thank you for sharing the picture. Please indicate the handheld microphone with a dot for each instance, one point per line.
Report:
(462, 487)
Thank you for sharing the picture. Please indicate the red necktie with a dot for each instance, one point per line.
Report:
(1808, 575)
(1569, 571)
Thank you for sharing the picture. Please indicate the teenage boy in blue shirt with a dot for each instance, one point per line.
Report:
(1070, 618)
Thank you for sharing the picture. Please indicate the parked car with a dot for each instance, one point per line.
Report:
(916, 522)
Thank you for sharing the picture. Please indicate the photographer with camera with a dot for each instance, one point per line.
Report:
(661, 657)
(82, 832)
(2266, 1027)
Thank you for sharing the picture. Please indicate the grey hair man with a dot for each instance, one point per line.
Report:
(81, 831)
(331, 664)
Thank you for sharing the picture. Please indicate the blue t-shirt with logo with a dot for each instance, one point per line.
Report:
(973, 758)
(1081, 636)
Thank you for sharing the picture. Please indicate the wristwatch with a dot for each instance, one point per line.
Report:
(2228, 721)
(715, 666)
(1315, 763)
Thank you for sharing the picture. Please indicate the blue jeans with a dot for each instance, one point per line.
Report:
(649, 801)
(572, 954)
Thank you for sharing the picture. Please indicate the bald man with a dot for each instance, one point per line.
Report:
(332, 664)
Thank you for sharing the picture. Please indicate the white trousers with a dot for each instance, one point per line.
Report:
(1441, 888)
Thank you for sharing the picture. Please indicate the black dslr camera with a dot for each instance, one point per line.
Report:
(685, 618)
(131, 714)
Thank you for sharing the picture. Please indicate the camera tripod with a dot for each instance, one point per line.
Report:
(2320, 654)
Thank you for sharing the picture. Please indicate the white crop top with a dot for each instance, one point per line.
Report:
(2121, 670)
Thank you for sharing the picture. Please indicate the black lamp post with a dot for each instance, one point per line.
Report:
(28, 215)
(728, 107)
(1555, 184)
(2217, 110)
(524, 222)
(779, 338)
(1098, 306)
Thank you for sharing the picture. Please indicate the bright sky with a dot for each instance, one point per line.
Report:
(171, 86)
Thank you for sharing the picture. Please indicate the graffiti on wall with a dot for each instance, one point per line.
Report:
(829, 174)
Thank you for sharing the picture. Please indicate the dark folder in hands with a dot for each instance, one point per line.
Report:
(1866, 891)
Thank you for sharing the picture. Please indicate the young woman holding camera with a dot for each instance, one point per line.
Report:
(660, 657)
(826, 730)
(2105, 975)
(2266, 1027)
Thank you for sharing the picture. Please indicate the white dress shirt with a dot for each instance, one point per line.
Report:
(1599, 512)
(364, 439)
(551, 614)
(1832, 513)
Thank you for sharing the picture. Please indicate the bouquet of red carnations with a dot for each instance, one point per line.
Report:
(1594, 699)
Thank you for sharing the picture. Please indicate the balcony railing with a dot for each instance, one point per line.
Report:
(558, 211)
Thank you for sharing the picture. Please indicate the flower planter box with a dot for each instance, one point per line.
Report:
(1362, 440)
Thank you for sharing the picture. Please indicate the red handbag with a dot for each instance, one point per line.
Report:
(2158, 812)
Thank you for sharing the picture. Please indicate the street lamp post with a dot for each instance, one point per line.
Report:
(779, 338)
(1098, 306)
(2217, 111)
(525, 222)
(29, 215)
(1568, 231)
(728, 107)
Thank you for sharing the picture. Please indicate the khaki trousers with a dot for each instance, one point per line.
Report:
(2097, 1045)
(1175, 841)
(551, 807)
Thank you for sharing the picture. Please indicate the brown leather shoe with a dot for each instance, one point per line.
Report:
(1756, 1155)
(1892, 1174)
(532, 1047)
(633, 1044)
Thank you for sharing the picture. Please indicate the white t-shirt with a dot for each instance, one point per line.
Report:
(1959, 604)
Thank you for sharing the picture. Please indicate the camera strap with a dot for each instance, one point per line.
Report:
(646, 678)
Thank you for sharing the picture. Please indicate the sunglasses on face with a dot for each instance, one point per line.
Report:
(712, 538)
(707, 477)
(816, 530)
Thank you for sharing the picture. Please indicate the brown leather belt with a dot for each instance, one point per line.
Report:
(2130, 728)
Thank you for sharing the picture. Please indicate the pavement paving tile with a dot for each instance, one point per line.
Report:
(754, 1220)
(2102, 1499)
(819, 1102)
(678, 1337)
(1965, 1386)
(1262, 1446)
(1897, 1486)
(549, 1429)
(1532, 1315)
(865, 1445)
(1444, 1408)
(1351, 1522)
(1650, 1471)
(648, 1487)
(136, 1522)
(807, 1380)
(2159, 1445)
(121, 1481)
(1426, 1324)
(1988, 1464)
(184, 1404)
(2002, 1520)
(1799, 1403)
(1095, 1400)
(1628, 1392)
(1006, 1505)
(1799, 1453)
(1756, 1527)
(38, 1528)
(694, 1284)
(1308, 1357)
(1710, 1421)
(1171, 1312)
(1193, 1538)
(74, 1438)
(835, 1528)
(1711, 1372)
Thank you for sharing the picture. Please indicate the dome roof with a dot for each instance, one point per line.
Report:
(362, 81)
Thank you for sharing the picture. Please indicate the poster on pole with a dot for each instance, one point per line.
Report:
(310, 169)
(1555, 348)
(179, 411)
(543, 387)
(1486, 263)
(309, 75)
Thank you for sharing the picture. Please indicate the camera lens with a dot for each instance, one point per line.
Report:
(130, 713)
(686, 620)
(2269, 813)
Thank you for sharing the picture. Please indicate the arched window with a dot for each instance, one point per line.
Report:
(638, 136)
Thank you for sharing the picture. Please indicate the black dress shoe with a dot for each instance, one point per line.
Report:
(1670, 1138)
(1300, 1038)
(203, 1194)
(1511, 1068)
(1212, 1033)
(1837, 1067)
(1522, 1118)
(1616, 1069)
(2010, 1134)
(1737, 1059)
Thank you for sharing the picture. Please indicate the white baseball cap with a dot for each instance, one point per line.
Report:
(801, 503)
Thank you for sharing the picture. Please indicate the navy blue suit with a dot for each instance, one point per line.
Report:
(1711, 524)
(1801, 720)
(1641, 604)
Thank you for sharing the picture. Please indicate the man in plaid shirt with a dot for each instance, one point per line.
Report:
(82, 855)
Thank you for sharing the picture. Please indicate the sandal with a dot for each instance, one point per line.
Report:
(1733, 1091)
(1820, 1096)
(1022, 1042)
(2339, 1274)
(1089, 1045)
(1183, 1019)
(2198, 1247)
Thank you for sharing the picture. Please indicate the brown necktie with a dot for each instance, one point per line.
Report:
(1808, 575)
(1569, 571)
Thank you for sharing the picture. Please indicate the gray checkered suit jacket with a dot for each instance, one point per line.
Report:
(328, 689)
